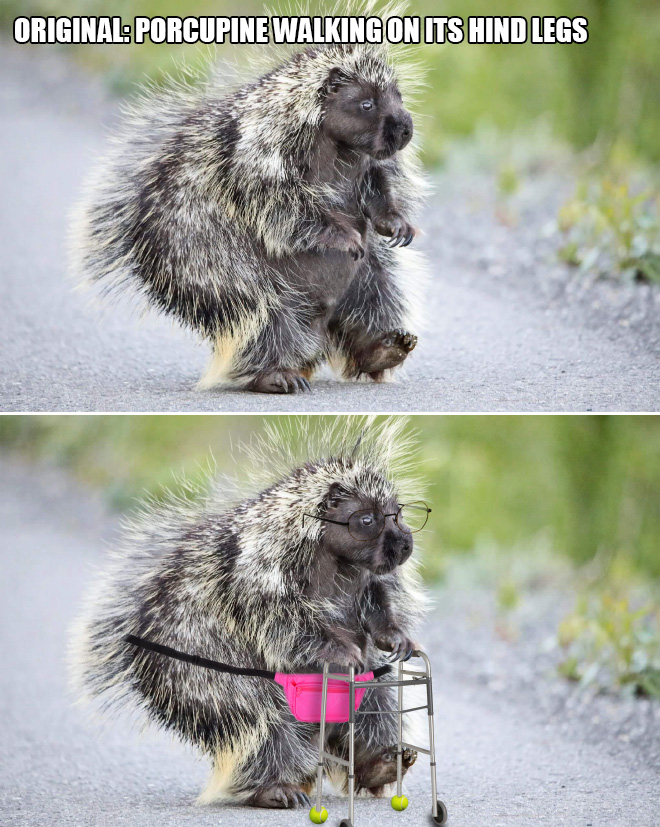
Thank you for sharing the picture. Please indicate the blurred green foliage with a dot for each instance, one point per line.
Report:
(608, 645)
(607, 89)
(588, 486)
(612, 231)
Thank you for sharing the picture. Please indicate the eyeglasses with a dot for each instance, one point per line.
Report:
(368, 524)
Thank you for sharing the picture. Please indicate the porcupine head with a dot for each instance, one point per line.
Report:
(250, 581)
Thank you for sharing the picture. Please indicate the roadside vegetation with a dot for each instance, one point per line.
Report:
(611, 229)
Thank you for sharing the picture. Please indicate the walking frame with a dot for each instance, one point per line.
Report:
(305, 688)
(319, 814)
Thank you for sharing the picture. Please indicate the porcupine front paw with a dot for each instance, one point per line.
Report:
(395, 641)
(380, 770)
(280, 796)
(387, 352)
(280, 381)
(396, 228)
(341, 654)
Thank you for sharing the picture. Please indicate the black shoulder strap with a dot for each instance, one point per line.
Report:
(196, 660)
(214, 664)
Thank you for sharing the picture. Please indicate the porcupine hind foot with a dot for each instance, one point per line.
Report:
(376, 772)
(280, 796)
(389, 351)
(279, 381)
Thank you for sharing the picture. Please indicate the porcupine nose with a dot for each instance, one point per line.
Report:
(397, 130)
(406, 549)
(398, 547)
(405, 129)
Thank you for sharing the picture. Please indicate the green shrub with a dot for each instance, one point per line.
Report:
(612, 231)
(610, 646)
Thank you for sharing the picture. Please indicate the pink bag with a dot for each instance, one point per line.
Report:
(303, 692)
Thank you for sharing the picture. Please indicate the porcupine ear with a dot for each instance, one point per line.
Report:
(335, 79)
(336, 493)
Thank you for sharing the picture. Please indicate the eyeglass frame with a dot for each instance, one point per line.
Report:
(376, 508)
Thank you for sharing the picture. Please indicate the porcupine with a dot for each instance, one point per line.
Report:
(269, 219)
(255, 584)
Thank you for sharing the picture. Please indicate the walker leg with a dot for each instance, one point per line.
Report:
(434, 783)
(399, 746)
(318, 815)
(319, 770)
(399, 801)
(351, 743)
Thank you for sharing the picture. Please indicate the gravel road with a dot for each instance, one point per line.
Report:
(501, 759)
(510, 329)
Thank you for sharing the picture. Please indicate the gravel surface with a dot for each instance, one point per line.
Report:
(510, 328)
(503, 757)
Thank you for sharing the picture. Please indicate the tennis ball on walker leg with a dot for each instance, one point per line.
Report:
(399, 802)
(318, 817)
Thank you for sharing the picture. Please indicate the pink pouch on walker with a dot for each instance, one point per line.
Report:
(303, 692)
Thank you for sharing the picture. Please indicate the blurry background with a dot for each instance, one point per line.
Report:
(523, 507)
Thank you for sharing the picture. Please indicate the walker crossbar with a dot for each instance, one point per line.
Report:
(319, 814)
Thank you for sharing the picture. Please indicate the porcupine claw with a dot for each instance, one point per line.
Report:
(279, 381)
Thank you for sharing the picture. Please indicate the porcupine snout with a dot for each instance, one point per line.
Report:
(397, 548)
(397, 130)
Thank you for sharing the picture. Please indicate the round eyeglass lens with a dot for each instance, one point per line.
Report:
(366, 525)
(412, 517)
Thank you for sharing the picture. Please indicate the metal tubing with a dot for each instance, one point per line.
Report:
(376, 684)
(399, 747)
(429, 690)
(416, 748)
(389, 711)
(412, 709)
(319, 769)
(351, 742)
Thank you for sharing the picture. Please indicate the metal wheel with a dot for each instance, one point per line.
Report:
(441, 818)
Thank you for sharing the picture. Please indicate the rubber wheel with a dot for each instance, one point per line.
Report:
(346, 823)
(441, 818)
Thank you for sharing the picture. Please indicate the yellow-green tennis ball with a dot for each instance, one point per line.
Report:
(316, 817)
(399, 802)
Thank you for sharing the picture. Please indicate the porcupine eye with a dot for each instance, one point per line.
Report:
(367, 105)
